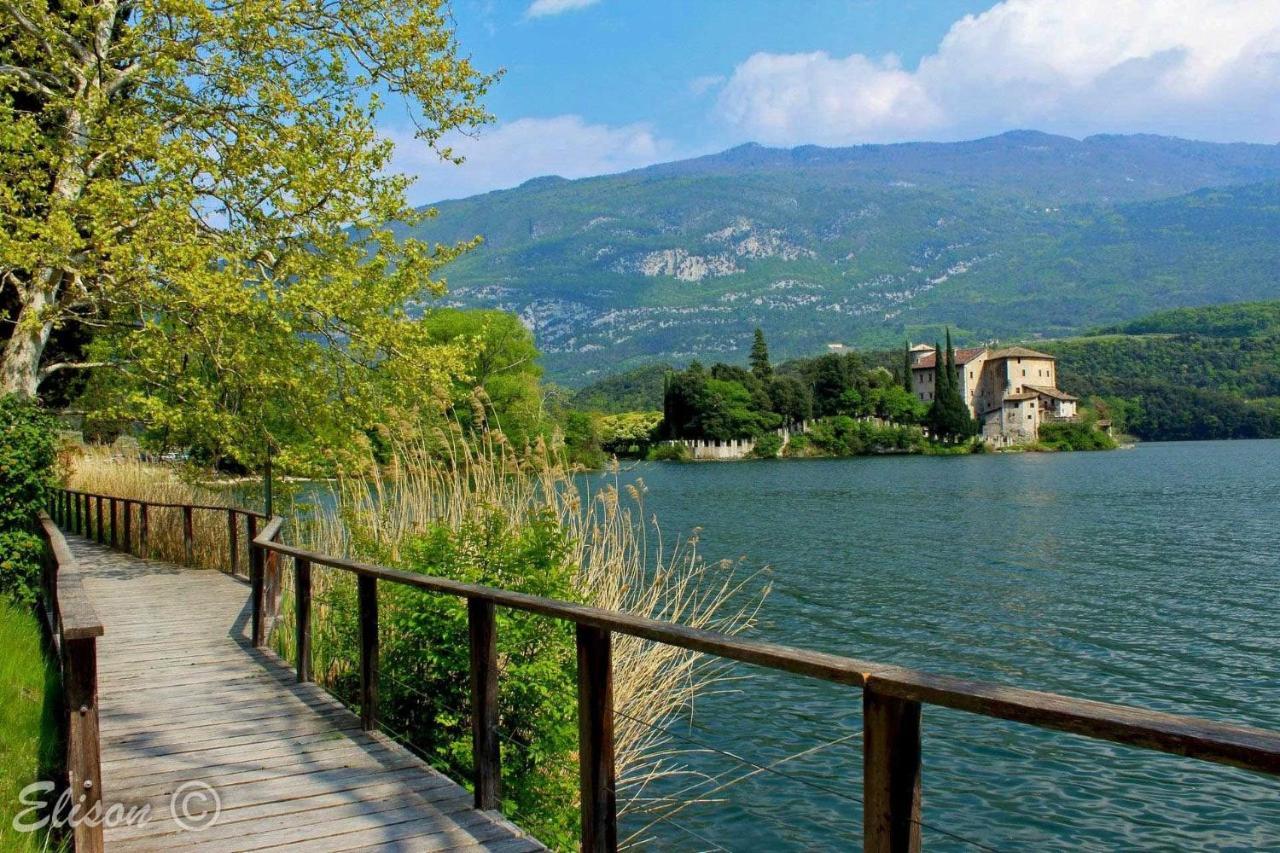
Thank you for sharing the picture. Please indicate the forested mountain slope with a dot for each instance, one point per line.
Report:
(1019, 235)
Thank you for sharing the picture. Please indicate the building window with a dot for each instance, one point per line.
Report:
(1028, 417)
(1024, 371)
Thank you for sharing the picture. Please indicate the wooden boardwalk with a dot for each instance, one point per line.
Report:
(186, 702)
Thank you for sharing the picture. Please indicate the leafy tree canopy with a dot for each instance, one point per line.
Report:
(202, 184)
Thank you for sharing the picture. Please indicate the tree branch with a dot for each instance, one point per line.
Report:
(57, 366)
(29, 77)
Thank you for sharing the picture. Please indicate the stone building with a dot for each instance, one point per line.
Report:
(1010, 391)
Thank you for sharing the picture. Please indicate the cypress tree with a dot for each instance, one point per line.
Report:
(906, 366)
(760, 357)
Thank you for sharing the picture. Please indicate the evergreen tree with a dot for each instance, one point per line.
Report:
(906, 367)
(760, 357)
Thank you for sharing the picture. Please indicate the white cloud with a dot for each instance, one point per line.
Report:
(542, 8)
(513, 152)
(1204, 68)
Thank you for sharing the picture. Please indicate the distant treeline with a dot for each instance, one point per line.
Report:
(1188, 373)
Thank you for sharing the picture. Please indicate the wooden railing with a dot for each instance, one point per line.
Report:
(74, 628)
(892, 696)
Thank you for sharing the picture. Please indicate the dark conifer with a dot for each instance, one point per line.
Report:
(760, 357)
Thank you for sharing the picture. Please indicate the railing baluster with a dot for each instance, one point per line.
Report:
(890, 773)
(255, 584)
(367, 589)
(99, 520)
(128, 526)
(302, 615)
(84, 769)
(188, 535)
(233, 544)
(595, 740)
(143, 530)
(483, 627)
(111, 508)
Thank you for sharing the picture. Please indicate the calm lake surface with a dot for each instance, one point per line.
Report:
(1147, 577)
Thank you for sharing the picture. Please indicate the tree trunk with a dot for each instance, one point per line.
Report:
(20, 364)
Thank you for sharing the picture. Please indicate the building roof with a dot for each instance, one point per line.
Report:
(963, 356)
(1020, 396)
(1020, 352)
(922, 348)
(1051, 392)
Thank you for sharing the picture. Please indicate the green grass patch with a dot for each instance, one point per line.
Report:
(29, 748)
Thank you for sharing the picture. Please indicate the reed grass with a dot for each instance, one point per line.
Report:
(616, 558)
(619, 557)
(105, 470)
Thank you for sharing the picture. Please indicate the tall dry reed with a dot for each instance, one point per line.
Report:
(122, 473)
(620, 559)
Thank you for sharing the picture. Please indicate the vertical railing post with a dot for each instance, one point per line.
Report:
(482, 622)
(367, 589)
(890, 773)
(188, 536)
(143, 530)
(84, 514)
(99, 520)
(258, 614)
(302, 615)
(128, 526)
(595, 741)
(111, 508)
(233, 543)
(84, 763)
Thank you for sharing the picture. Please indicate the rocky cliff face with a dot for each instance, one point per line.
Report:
(1019, 235)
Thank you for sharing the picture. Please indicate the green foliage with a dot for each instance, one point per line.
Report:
(629, 434)
(767, 446)
(1074, 436)
(669, 453)
(28, 450)
(1035, 234)
(206, 184)
(843, 436)
(759, 358)
(425, 691)
(582, 439)
(29, 740)
(501, 360)
(1184, 374)
(948, 416)
(635, 390)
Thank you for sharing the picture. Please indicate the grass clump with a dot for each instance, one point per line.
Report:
(29, 742)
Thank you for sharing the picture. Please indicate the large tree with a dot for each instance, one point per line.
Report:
(203, 184)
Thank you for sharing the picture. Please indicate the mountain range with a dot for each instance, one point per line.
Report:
(1020, 235)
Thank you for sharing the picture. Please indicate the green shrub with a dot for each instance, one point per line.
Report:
(425, 689)
(1074, 436)
(768, 446)
(28, 449)
(670, 453)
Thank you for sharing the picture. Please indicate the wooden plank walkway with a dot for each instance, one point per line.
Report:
(186, 702)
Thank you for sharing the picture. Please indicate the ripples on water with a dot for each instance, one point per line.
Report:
(1149, 577)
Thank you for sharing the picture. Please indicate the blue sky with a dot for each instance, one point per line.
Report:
(594, 86)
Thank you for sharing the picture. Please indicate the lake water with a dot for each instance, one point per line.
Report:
(1148, 577)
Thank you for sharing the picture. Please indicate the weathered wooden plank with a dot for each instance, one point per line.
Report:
(183, 699)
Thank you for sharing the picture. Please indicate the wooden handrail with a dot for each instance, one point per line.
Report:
(892, 695)
(75, 627)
